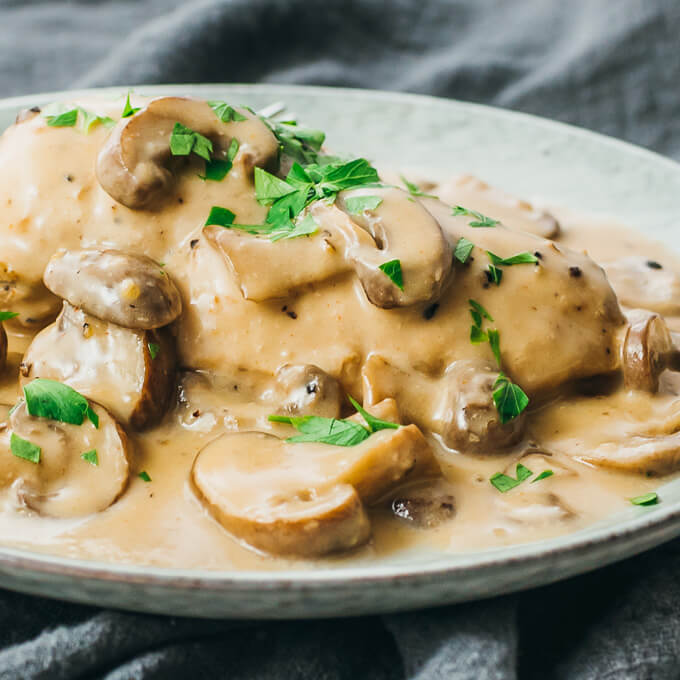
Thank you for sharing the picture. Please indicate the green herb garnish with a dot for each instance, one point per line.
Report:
(495, 274)
(358, 204)
(520, 258)
(57, 115)
(504, 482)
(144, 475)
(184, 141)
(65, 119)
(303, 144)
(269, 188)
(463, 249)
(226, 113)
(56, 401)
(5, 316)
(477, 312)
(374, 424)
(154, 349)
(414, 190)
(650, 498)
(495, 343)
(22, 448)
(129, 110)
(479, 219)
(543, 475)
(509, 399)
(221, 217)
(89, 119)
(91, 457)
(392, 270)
(324, 430)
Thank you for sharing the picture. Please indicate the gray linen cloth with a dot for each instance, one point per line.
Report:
(613, 66)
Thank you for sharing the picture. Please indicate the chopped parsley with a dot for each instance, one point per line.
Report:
(88, 119)
(65, 119)
(222, 217)
(58, 115)
(154, 349)
(510, 399)
(184, 141)
(226, 113)
(463, 249)
(218, 168)
(56, 401)
(302, 144)
(392, 270)
(358, 204)
(91, 457)
(494, 274)
(4, 316)
(477, 312)
(144, 476)
(543, 475)
(129, 110)
(504, 482)
(324, 430)
(374, 424)
(495, 343)
(22, 448)
(520, 258)
(414, 190)
(478, 220)
(650, 498)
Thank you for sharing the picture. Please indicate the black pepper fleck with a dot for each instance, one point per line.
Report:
(430, 311)
(196, 413)
(69, 178)
(292, 314)
(193, 243)
(653, 264)
(180, 200)
(538, 255)
(34, 109)
(575, 272)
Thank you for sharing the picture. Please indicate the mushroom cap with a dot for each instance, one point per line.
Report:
(134, 165)
(107, 363)
(425, 504)
(128, 290)
(301, 498)
(305, 389)
(62, 484)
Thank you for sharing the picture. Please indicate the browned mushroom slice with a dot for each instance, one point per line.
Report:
(128, 290)
(301, 498)
(458, 406)
(474, 194)
(425, 504)
(647, 351)
(133, 167)
(402, 230)
(131, 372)
(644, 283)
(305, 389)
(63, 483)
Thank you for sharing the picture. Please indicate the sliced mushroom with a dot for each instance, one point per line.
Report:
(474, 194)
(458, 406)
(305, 389)
(397, 229)
(643, 283)
(27, 114)
(128, 290)
(647, 351)
(301, 498)
(110, 364)
(403, 230)
(534, 506)
(425, 505)
(134, 166)
(62, 483)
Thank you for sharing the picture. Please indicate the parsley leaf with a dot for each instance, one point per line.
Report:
(543, 475)
(374, 424)
(226, 113)
(91, 457)
(495, 342)
(129, 110)
(218, 168)
(477, 312)
(414, 190)
(495, 274)
(479, 219)
(144, 475)
(647, 499)
(222, 217)
(154, 349)
(509, 399)
(504, 482)
(305, 226)
(88, 119)
(22, 448)
(268, 187)
(65, 119)
(477, 335)
(358, 204)
(324, 430)
(392, 270)
(184, 141)
(56, 401)
(463, 249)
(4, 316)
(300, 143)
(520, 258)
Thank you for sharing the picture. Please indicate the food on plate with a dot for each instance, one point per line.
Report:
(229, 347)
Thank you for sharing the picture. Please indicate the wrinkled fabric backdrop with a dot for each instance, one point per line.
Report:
(612, 66)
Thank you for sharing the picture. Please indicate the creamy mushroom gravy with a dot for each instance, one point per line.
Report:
(243, 319)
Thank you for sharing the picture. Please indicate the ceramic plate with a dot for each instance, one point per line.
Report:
(520, 153)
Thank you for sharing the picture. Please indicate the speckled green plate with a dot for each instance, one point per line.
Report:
(517, 152)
